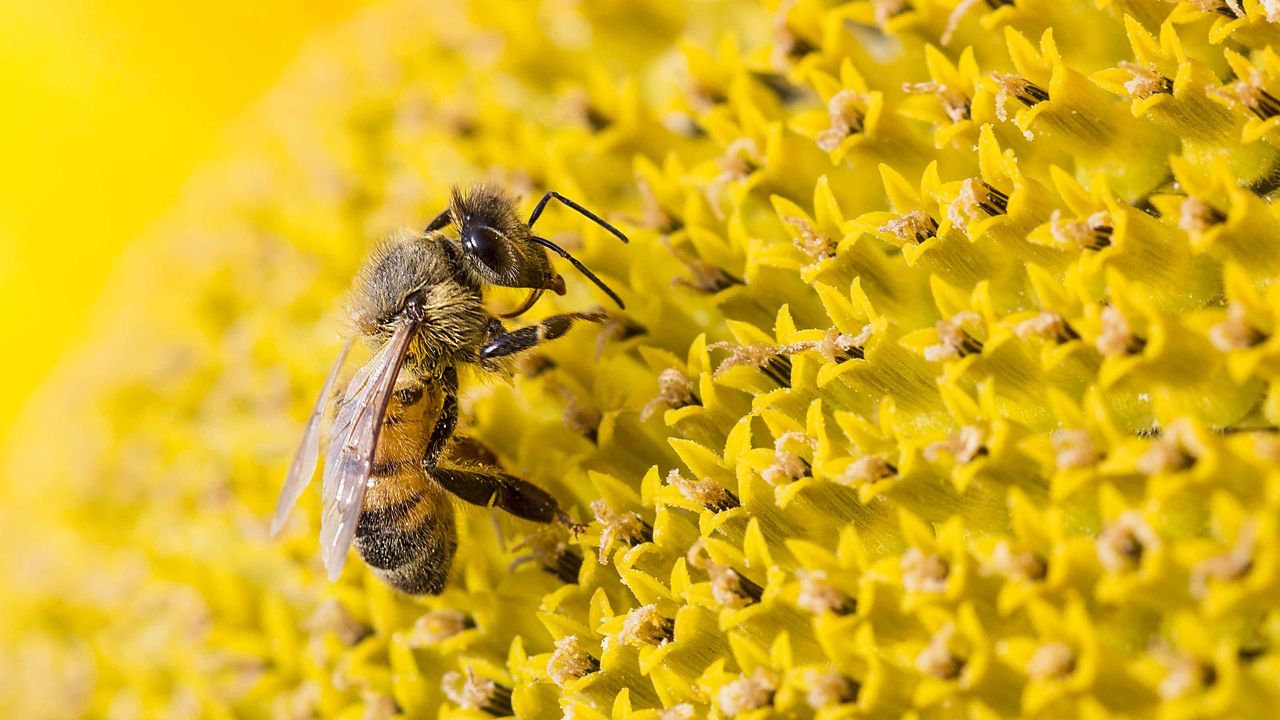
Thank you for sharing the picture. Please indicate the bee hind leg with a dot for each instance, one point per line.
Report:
(524, 338)
(513, 495)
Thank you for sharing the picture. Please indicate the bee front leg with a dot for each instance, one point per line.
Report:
(513, 495)
(527, 337)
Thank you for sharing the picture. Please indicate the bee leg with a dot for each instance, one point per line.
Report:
(513, 495)
(494, 329)
(447, 421)
(527, 337)
(441, 222)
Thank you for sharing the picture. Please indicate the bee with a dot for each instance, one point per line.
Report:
(389, 478)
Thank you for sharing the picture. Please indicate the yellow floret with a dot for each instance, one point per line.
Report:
(946, 384)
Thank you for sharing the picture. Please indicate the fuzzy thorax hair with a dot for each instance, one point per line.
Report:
(453, 319)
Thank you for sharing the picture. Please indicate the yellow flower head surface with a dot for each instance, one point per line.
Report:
(946, 385)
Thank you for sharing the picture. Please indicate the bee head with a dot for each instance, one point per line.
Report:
(495, 244)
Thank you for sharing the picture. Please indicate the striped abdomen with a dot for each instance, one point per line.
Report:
(406, 531)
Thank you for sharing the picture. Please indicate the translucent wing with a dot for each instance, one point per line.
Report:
(304, 459)
(351, 447)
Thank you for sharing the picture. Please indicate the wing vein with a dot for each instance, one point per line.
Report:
(350, 456)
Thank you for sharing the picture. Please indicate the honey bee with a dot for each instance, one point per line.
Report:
(418, 302)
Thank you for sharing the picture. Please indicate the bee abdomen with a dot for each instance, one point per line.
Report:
(410, 544)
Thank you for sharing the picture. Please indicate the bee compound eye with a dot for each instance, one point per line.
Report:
(485, 243)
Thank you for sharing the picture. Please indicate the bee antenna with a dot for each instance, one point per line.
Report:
(537, 212)
(441, 222)
(581, 268)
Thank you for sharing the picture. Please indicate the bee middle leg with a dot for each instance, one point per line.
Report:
(513, 495)
(524, 338)
(447, 421)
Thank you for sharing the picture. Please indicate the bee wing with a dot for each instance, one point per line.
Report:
(304, 459)
(352, 443)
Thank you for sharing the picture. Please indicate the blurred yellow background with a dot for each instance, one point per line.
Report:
(110, 104)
